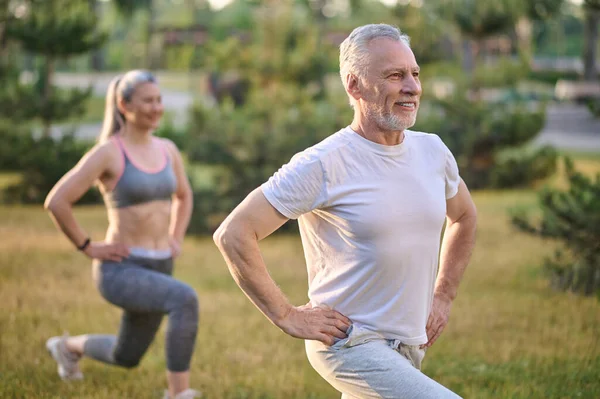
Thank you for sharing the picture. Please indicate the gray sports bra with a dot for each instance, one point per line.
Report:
(137, 185)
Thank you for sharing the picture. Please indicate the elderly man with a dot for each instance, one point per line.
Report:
(371, 200)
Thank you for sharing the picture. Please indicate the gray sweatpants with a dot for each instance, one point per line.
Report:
(366, 365)
(145, 290)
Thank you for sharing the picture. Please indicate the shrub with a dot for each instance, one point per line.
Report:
(571, 217)
(478, 132)
(594, 107)
(244, 146)
(42, 162)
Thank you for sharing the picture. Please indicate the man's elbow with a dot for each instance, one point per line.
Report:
(233, 235)
(224, 235)
(218, 236)
(466, 219)
(469, 222)
(473, 213)
(469, 218)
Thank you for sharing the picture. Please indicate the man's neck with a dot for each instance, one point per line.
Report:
(377, 135)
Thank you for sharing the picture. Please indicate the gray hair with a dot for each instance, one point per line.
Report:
(354, 53)
(121, 87)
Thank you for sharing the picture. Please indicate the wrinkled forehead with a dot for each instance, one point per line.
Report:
(386, 54)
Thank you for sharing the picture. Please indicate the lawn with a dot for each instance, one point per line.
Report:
(509, 336)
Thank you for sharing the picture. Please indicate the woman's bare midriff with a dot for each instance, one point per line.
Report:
(144, 226)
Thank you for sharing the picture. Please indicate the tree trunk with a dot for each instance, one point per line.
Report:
(4, 16)
(192, 7)
(47, 93)
(468, 58)
(97, 57)
(149, 33)
(321, 31)
(590, 51)
(477, 51)
(524, 33)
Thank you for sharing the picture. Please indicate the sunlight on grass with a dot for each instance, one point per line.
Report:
(8, 179)
(586, 164)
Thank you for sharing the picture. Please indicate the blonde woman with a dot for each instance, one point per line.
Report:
(149, 204)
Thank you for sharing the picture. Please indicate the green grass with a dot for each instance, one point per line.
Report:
(9, 178)
(583, 156)
(509, 335)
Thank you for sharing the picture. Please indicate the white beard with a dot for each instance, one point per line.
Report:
(388, 121)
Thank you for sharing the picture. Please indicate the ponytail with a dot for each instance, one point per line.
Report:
(113, 119)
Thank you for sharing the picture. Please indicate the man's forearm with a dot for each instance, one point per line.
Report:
(457, 247)
(245, 262)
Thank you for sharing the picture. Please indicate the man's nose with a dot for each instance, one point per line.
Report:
(411, 86)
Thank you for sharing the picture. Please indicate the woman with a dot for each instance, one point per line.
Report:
(149, 204)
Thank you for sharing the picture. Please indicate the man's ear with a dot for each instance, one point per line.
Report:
(353, 86)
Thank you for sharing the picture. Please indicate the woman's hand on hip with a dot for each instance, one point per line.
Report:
(175, 246)
(102, 250)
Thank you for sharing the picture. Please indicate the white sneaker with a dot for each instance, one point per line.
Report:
(187, 394)
(68, 362)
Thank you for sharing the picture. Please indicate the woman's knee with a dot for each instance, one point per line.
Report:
(187, 303)
(189, 298)
(128, 362)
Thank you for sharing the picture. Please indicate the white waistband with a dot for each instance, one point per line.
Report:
(150, 253)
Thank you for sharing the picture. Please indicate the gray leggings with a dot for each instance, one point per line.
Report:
(145, 290)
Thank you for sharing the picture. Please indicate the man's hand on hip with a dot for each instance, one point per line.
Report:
(438, 318)
(316, 323)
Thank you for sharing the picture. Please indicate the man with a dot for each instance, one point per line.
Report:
(371, 201)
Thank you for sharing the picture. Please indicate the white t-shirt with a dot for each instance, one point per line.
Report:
(371, 218)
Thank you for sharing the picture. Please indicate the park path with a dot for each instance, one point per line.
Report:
(568, 126)
(176, 102)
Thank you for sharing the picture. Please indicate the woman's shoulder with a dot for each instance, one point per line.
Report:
(168, 145)
(107, 147)
(106, 152)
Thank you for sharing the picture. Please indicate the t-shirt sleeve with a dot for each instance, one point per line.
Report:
(297, 187)
(452, 175)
